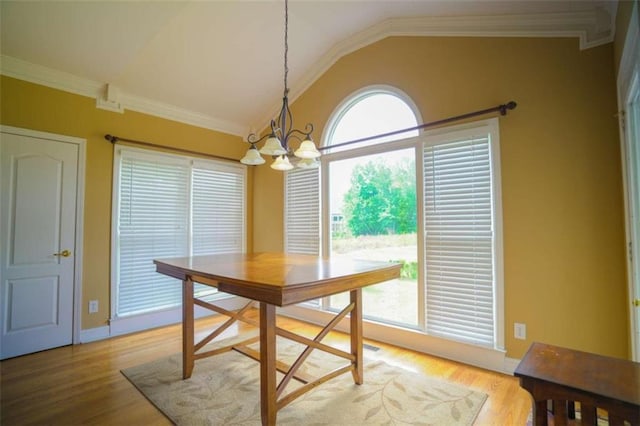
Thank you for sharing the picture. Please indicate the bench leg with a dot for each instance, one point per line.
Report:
(540, 413)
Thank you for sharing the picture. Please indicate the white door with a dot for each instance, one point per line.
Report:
(633, 187)
(629, 103)
(38, 213)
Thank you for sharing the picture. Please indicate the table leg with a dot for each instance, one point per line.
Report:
(187, 328)
(268, 407)
(356, 335)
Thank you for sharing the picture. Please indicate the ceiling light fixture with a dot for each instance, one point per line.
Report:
(282, 131)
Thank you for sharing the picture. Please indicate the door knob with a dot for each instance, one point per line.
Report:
(636, 302)
(63, 253)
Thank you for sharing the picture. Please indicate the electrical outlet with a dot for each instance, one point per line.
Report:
(93, 306)
(520, 331)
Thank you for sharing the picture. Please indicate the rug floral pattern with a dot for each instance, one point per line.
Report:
(224, 390)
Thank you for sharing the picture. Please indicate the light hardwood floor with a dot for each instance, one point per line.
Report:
(82, 384)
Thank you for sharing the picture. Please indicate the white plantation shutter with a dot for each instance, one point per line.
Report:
(153, 212)
(171, 206)
(302, 211)
(459, 240)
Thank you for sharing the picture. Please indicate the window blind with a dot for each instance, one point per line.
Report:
(218, 210)
(302, 211)
(217, 214)
(459, 240)
(171, 206)
(153, 213)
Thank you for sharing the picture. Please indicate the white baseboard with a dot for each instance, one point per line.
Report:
(510, 365)
(121, 326)
(487, 358)
(94, 334)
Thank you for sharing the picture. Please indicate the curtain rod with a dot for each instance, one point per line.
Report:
(114, 139)
(501, 108)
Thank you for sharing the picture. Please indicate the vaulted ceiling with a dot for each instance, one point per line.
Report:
(219, 64)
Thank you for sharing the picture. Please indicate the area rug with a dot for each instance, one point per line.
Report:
(224, 390)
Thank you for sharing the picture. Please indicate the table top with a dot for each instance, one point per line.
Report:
(279, 278)
(614, 378)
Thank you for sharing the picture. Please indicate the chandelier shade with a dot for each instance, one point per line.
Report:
(273, 147)
(308, 163)
(252, 157)
(307, 150)
(282, 163)
(282, 132)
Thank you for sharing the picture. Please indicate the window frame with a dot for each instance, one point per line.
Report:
(455, 349)
(343, 107)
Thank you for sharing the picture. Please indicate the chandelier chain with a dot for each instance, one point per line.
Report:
(286, 44)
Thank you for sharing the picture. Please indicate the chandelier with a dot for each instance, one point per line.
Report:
(282, 132)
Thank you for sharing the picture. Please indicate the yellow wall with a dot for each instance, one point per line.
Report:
(561, 177)
(40, 108)
(268, 218)
(560, 161)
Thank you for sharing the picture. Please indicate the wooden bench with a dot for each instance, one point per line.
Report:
(564, 376)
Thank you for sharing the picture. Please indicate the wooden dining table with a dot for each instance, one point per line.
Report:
(275, 280)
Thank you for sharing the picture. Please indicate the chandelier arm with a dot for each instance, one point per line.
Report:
(292, 136)
(308, 129)
(288, 119)
(252, 138)
(274, 128)
(305, 134)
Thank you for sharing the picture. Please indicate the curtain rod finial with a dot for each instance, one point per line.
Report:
(112, 139)
(505, 107)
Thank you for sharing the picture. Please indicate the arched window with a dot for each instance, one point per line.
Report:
(430, 200)
(369, 112)
(371, 196)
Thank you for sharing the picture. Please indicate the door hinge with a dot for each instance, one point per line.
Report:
(623, 124)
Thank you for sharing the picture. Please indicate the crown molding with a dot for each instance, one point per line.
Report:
(22, 70)
(592, 28)
(172, 112)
